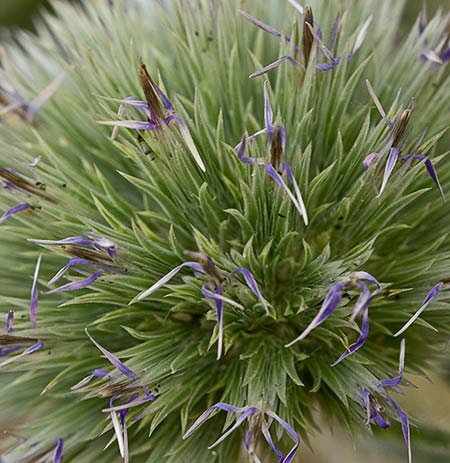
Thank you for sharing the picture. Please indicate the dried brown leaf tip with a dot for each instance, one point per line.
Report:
(277, 146)
(400, 126)
(307, 37)
(151, 95)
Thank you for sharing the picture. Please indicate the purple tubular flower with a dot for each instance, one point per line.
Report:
(368, 277)
(277, 177)
(405, 425)
(14, 210)
(291, 431)
(98, 373)
(112, 358)
(34, 294)
(361, 340)
(57, 456)
(392, 382)
(9, 350)
(219, 297)
(430, 296)
(79, 261)
(10, 321)
(291, 178)
(30, 350)
(80, 284)
(390, 164)
(166, 278)
(274, 65)
(369, 159)
(330, 303)
(251, 283)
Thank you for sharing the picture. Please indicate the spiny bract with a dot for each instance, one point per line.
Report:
(255, 263)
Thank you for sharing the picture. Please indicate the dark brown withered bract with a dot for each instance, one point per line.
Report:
(307, 37)
(400, 126)
(150, 95)
(207, 265)
(22, 183)
(276, 148)
(86, 253)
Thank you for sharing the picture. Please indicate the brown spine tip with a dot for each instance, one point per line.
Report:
(276, 148)
(307, 37)
(400, 127)
(150, 95)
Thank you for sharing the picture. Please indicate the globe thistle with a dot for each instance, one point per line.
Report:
(219, 217)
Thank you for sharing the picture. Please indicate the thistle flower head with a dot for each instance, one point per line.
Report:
(167, 297)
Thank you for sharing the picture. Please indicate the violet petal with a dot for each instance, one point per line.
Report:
(34, 294)
(369, 159)
(392, 382)
(361, 340)
(390, 164)
(187, 137)
(405, 425)
(329, 304)
(57, 456)
(431, 171)
(14, 210)
(430, 296)
(80, 284)
(251, 283)
(166, 278)
(30, 350)
(291, 431)
(268, 113)
(10, 321)
(112, 358)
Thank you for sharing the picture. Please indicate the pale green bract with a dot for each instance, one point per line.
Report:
(148, 199)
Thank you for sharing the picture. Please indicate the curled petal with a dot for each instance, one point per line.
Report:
(368, 277)
(392, 382)
(14, 210)
(369, 159)
(207, 413)
(241, 151)
(70, 263)
(328, 67)
(291, 178)
(166, 278)
(251, 283)
(361, 340)
(329, 305)
(30, 350)
(80, 284)
(187, 137)
(10, 321)
(430, 296)
(34, 294)
(363, 302)
(390, 164)
(291, 431)
(57, 456)
(269, 440)
(405, 425)
(274, 65)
